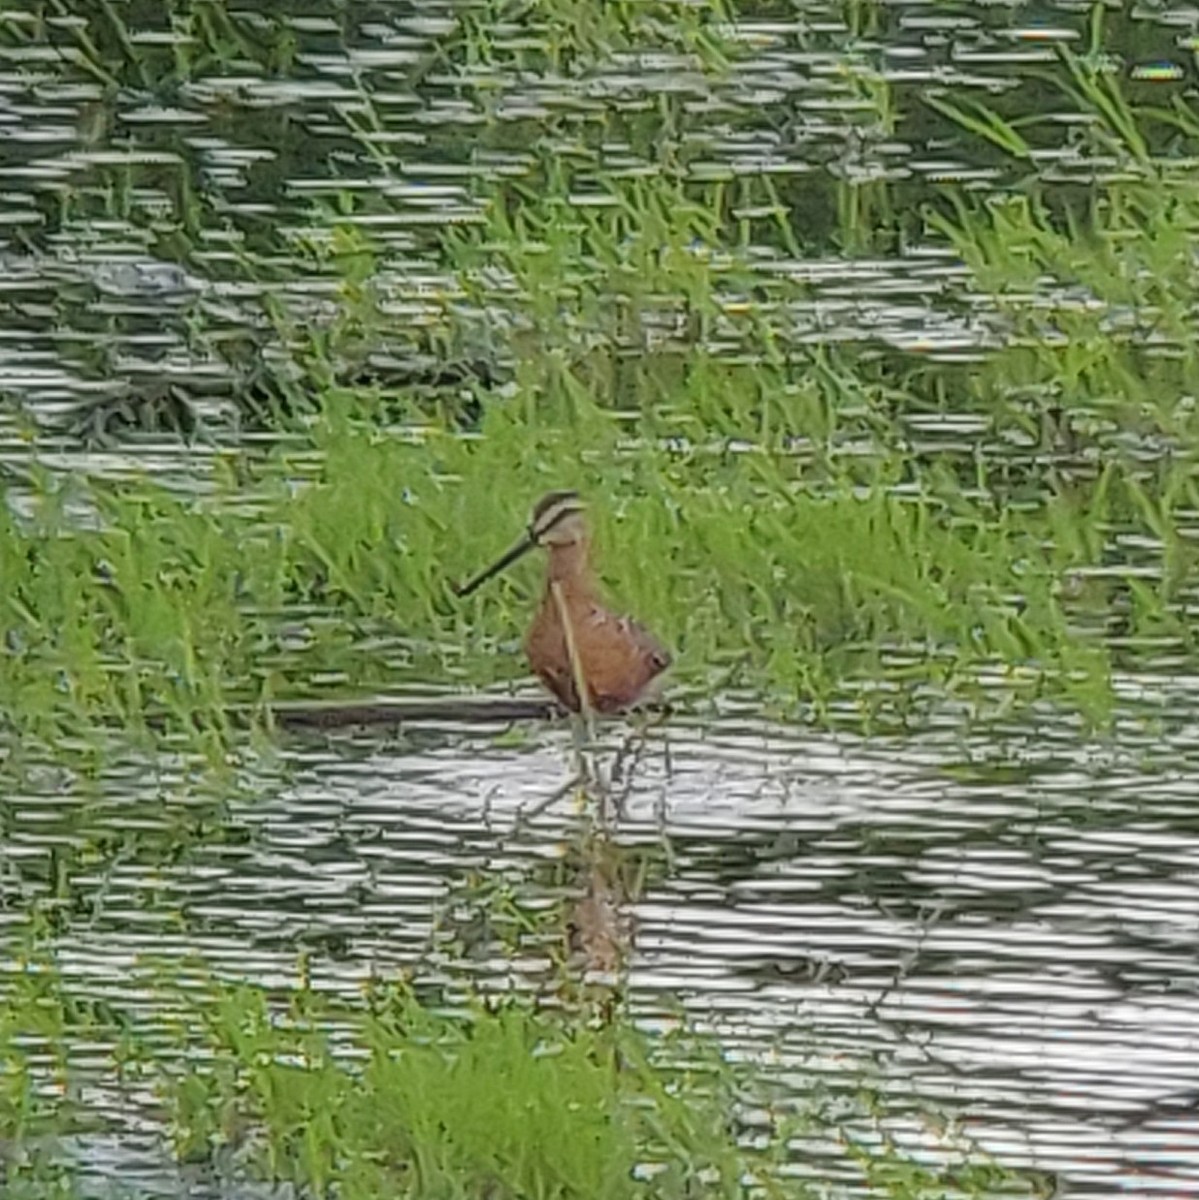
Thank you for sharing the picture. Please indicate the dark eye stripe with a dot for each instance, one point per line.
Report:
(551, 509)
(551, 500)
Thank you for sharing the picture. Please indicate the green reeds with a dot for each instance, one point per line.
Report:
(761, 504)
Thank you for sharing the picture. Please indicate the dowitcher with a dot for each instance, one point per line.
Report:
(575, 642)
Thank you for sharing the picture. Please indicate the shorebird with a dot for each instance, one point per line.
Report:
(576, 646)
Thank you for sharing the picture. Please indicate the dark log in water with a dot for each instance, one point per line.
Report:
(474, 710)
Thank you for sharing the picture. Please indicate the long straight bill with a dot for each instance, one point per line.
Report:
(525, 544)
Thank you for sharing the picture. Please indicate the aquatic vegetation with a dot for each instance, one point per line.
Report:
(500, 1101)
(772, 505)
(393, 1096)
(663, 297)
(411, 1100)
(180, 609)
(40, 1100)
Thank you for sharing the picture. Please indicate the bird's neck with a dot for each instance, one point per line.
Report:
(570, 566)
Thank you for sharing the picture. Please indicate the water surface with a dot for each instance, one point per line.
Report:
(994, 921)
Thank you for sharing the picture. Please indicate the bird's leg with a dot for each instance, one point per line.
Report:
(628, 754)
(524, 816)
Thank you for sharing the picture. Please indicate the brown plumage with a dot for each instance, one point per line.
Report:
(616, 658)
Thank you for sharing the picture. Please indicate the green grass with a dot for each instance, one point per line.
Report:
(765, 510)
(776, 582)
(502, 1101)
(40, 1097)
(764, 506)
(393, 1097)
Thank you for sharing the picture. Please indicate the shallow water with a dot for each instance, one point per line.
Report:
(997, 927)
(996, 922)
(143, 228)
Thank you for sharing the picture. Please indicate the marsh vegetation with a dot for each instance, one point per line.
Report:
(881, 386)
